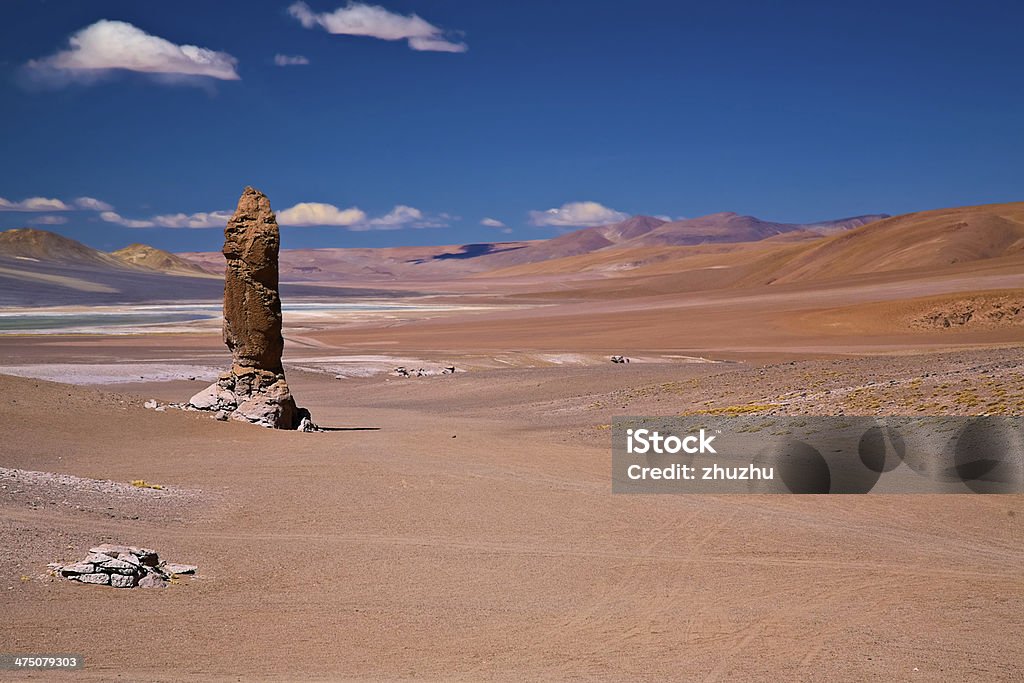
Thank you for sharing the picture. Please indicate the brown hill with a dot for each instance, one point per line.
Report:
(828, 227)
(645, 231)
(157, 259)
(379, 265)
(732, 227)
(30, 244)
(929, 242)
(924, 240)
(455, 261)
(717, 227)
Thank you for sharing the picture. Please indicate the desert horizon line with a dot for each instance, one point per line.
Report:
(54, 228)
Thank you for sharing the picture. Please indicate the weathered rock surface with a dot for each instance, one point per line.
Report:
(78, 568)
(92, 578)
(255, 389)
(122, 580)
(153, 581)
(252, 305)
(122, 566)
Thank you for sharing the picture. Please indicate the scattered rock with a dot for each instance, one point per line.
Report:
(255, 389)
(151, 404)
(118, 567)
(92, 578)
(214, 397)
(130, 559)
(98, 558)
(123, 566)
(77, 569)
(153, 581)
(122, 580)
(974, 312)
(110, 550)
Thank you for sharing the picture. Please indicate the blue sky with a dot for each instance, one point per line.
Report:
(402, 130)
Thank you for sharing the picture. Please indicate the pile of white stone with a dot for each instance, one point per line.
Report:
(122, 566)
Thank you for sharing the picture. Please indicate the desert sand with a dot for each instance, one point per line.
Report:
(462, 526)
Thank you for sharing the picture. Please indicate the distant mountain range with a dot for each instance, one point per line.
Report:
(427, 263)
(639, 254)
(987, 238)
(646, 231)
(30, 244)
(42, 268)
(157, 259)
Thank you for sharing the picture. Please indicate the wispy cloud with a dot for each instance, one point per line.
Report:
(92, 204)
(109, 46)
(495, 223)
(358, 19)
(202, 219)
(34, 204)
(48, 220)
(290, 60)
(114, 217)
(304, 214)
(213, 219)
(576, 214)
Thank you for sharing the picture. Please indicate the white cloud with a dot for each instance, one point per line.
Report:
(398, 217)
(301, 215)
(315, 213)
(202, 219)
(492, 223)
(355, 219)
(117, 45)
(92, 204)
(48, 220)
(575, 214)
(290, 60)
(114, 217)
(213, 219)
(34, 204)
(436, 45)
(47, 204)
(358, 19)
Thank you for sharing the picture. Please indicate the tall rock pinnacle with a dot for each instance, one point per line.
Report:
(252, 305)
(255, 389)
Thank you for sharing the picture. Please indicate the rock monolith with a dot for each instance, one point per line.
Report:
(254, 390)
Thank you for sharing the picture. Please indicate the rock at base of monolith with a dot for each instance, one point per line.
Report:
(260, 397)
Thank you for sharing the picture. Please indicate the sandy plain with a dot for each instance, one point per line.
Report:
(463, 526)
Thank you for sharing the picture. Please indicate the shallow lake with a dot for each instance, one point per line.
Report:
(48, 319)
